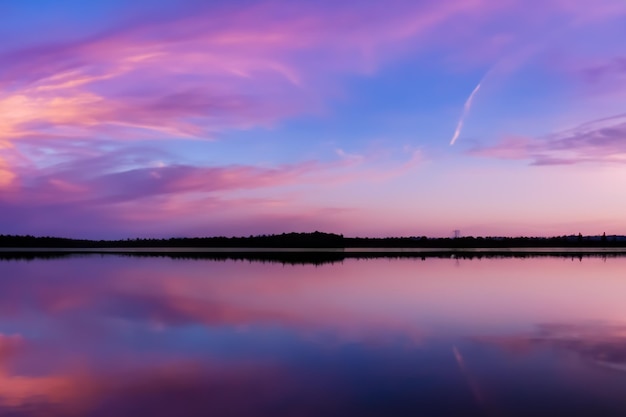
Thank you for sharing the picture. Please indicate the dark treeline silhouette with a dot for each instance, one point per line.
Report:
(285, 240)
(468, 242)
(320, 240)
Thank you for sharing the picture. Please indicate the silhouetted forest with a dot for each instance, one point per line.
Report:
(321, 240)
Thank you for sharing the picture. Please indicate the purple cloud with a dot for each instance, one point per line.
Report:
(602, 140)
(614, 67)
(206, 69)
(133, 188)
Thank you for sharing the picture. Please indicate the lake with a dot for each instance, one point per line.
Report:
(121, 335)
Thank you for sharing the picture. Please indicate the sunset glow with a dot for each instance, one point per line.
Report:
(185, 118)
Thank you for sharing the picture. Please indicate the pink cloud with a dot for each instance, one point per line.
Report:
(104, 178)
(133, 189)
(197, 73)
(194, 75)
(206, 70)
(602, 140)
(9, 345)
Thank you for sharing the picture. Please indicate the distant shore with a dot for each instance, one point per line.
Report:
(318, 241)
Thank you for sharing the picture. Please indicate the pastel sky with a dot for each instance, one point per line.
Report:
(191, 118)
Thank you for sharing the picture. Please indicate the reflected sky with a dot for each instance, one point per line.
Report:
(96, 335)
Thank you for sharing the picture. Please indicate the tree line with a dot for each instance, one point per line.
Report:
(318, 240)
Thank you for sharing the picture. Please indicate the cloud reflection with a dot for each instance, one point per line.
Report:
(106, 335)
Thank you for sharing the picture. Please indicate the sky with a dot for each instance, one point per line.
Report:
(169, 118)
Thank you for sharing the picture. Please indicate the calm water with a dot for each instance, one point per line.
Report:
(110, 335)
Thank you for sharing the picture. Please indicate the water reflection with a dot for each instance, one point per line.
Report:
(601, 344)
(314, 256)
(109, 335)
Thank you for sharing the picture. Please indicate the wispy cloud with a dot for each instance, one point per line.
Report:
(133, 186)
(599, 141)
(207, 69)
(79, 114)
(199, 74)
(466, 109)
(615, 66)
